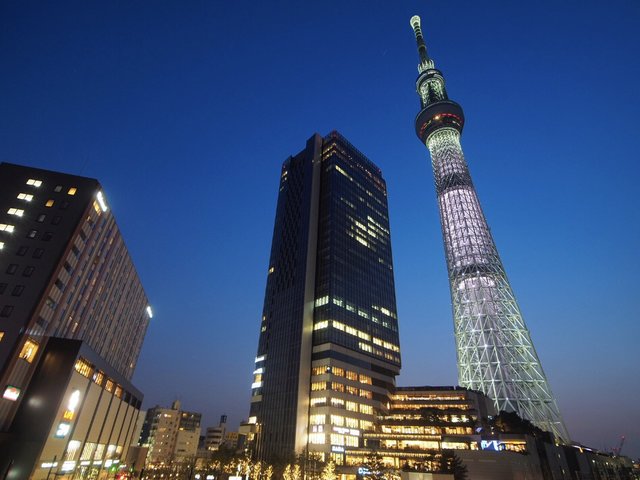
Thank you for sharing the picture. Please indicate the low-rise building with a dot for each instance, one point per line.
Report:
(215, 436)
(171, 435)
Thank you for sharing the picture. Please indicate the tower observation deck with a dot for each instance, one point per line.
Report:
(494, 349)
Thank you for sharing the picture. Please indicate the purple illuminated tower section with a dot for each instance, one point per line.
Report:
(494, 348)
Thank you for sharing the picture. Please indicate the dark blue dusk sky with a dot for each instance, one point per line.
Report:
(185, 111)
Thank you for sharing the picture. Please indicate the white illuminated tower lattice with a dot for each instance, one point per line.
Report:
(494, 349)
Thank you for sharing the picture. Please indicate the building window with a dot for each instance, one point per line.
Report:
(49, 203)
(25, 196)
(1, 336)
(34, 183)
(58, 188)
(22, 251)
(109, 385)
(59, 284)
(32, 233)
(1, 245)
(6, 228)
(18, 212)
(64, 205)
(318, 386)
(56, 220)
(318, 419)
(6, 311)
(12, 268)
(3, 287)
(98, 377)
(41, 218)
(17, 290)
(29, 350)
(83, 368)
(28, 271)
(46, 236)
(72, 191)
(38, 252)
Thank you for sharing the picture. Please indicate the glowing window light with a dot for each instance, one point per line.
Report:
(102, 202)
(18, 212)
(11, 393)
(1, 245)
(6, 228)
(34, 183)
(29, 350)
(72, 191)
(321, 325)
(149, 311)
(25, 196)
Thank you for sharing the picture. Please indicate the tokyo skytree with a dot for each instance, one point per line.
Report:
(493, 345)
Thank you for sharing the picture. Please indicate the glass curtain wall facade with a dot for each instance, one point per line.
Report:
(328, 352)
(494, 348)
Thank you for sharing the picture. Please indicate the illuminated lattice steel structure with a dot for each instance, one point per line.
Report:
(494, 349)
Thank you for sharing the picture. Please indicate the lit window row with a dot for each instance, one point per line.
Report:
(344, 440)
(341, 372)
(83, 368)
(34, 183)
(18, 212)
(317, 438)
(385, 311)
(322, 301)
(365, 336)
(25, 196)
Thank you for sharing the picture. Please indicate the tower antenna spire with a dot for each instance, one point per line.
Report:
(422, 47)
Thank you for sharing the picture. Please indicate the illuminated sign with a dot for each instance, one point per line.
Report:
(491, 445)
(67, 415)
(11, 393)
(63, 430)
(336, 448)
(101, 201)
(74, 400)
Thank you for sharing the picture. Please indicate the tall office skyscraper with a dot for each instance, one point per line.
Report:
(64, 272)
(328, 351)
(494, 348)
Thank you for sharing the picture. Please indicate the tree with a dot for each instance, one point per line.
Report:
(287, 474)
(451, 463)
(296, 473)
(329, 471)
(256, 471)
(268, 473)
(376, 467)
